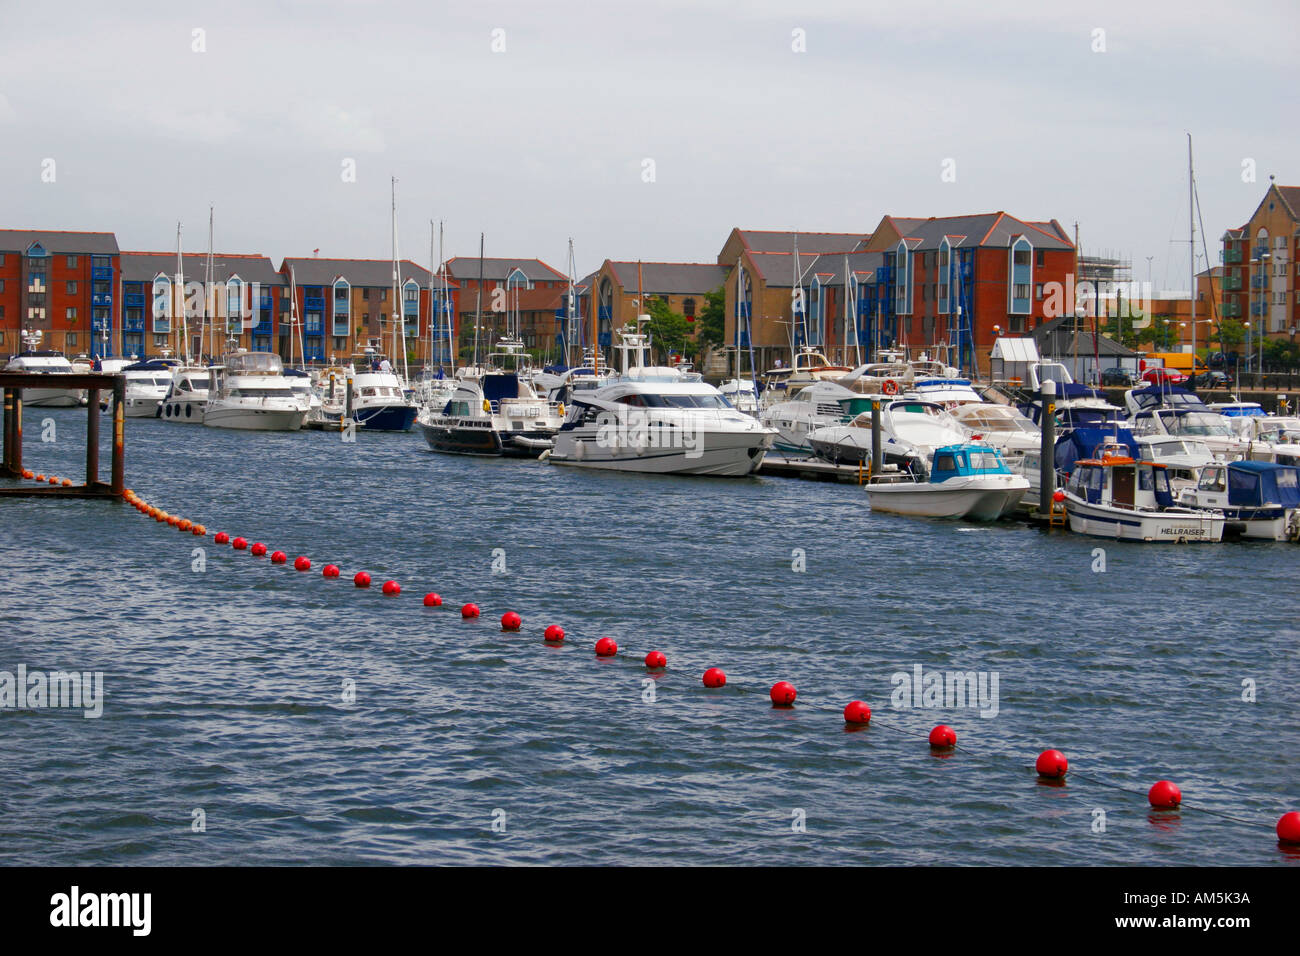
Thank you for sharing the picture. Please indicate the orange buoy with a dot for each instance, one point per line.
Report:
(199, 530)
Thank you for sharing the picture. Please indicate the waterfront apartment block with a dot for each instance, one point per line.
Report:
(62, 284)
(238, 311)
(526, 293)
(346, 306)
(1261, 265)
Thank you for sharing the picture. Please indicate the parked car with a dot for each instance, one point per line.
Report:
(1163, 376)
(1211, 379)
(1118, 377)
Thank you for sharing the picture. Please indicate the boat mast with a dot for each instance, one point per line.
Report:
(478, 305)
(1191, 245)
(208, 302)
(797, 293)
(444, 305)
(569, 321)
(181, 327)
(399, 310)
(428, 363)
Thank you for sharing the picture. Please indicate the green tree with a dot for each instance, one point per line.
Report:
(1229, 333)
(1279, 353)
(669, 330)
(711, 322)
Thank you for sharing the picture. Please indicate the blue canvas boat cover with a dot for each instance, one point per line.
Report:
(1086, 442)
(1253, 484)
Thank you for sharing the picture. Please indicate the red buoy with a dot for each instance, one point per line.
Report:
(606, 647)
(469, 610)
(278, 557)
(943, 737)
(1058, 496)
(221, 537)
(432, 600)
(1164, 795)
(713, 677)
(257, 550)
(656, 661)
(361, 579)
(510, 621)
(391, 588)
(330, 571)
(239, 544)
(783, 694)
(856, 712)
(1288, 828)
(302, 563)
(554, 633)
(1052, 764)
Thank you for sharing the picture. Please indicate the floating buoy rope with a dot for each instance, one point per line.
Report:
(1052, 766)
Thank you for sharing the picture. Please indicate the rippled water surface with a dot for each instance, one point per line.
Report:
(225, 687)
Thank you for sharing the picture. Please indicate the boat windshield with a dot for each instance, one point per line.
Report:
(245, 362)
(1199, 423)
(650, 400)
(261, 392)
(996, 419)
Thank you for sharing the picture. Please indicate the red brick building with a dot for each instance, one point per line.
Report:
(524, 290)
(62, 284)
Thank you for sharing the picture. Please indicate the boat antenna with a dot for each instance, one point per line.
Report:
(478, 307)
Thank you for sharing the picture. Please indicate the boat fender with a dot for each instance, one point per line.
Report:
(560, 410)
(487, 407)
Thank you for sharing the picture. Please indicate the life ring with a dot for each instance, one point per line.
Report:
(889, 387)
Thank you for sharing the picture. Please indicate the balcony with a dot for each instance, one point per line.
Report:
(1258, 308)
(341, 327)
(1230, 256)
(315, 302)
(264, 303)
(99, 325)
(1259, 282)
(1231, 283)
(133, 325)
(134, 300)
(101, 300)
(1231, 310)
(100, 273)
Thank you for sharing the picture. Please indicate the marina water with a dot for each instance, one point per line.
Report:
(226, 736)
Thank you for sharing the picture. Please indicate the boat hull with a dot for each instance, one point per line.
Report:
(469, 440)
(978, 502)
(723, 454)
(385, 418)
(255, 419)
(53, 397)
(1124, 524)
(187, 413)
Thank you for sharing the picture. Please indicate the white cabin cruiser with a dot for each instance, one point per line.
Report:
(250, 391)
(1001, 426)
(497, 414)
(650, 419)
(909, 429)
(1191, 422)
(1112, 495)
(50, 363)
(815, 406)
(965, 480)
(742, 394)
(1183, 458)
(809, 367)
(1261, 498)
(369, 390)
(187, 396)
(147, 384)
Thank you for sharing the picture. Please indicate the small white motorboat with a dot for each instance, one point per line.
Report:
(968, 481)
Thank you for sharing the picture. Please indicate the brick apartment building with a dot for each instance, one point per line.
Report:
(62, 284)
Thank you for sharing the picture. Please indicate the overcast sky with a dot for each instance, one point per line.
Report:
(549, 137)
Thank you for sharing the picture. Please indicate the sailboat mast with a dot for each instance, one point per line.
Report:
(569, 317)
(444, 305)
(1191, 245)
(208, 303)
(478, 305)
(399, 313)
(181, 328)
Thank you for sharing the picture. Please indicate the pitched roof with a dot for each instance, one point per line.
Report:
(1055, 338)
(369, 273)
(465, 269)
(765, 240)
(777, 268)
(670, 277)
(994, 229)
(143, 266)
(1290, 196)
(59, 243)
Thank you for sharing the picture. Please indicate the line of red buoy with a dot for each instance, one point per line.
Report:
(1050, 765)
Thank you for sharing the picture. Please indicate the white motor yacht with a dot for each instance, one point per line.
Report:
(249, 390)
(147, 384)
(651, 419)
(909, 427)
(813, 407)
(187, 395)
(48, 363)
(496, 414)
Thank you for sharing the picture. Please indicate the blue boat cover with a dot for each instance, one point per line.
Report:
(500, 385)
(1253, 484)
